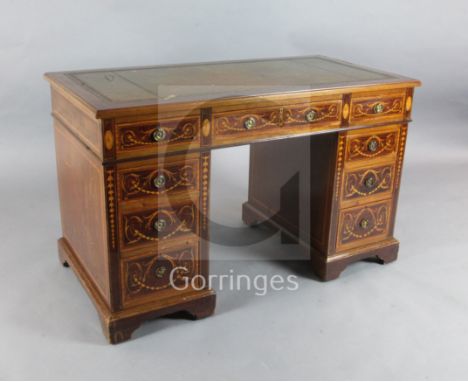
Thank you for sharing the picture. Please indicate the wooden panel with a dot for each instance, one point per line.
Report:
(243, 125)
(157, 137)
(368, 183)
(363, 225)
(87, 129)
(377, 107)
(295, 193)
(177, 221)
(366, 144)
(82, 206)
(151, 277)
(156, 178)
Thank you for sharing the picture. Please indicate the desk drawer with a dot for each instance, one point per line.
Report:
(375, 107)
(164, 177)
(158, 226)
(362, 225)
(158, 275)
(165, 135)
(366, 183)
(369, 144)
(244, 125)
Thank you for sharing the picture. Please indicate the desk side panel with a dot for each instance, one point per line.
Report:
(78, 120)
(82, 206)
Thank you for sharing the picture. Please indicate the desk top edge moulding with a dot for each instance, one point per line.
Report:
(133, 149)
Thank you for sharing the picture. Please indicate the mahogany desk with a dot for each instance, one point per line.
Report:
(133, 157)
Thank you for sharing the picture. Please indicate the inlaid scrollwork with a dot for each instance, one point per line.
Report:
(170, 132)
(377, 107)
(153, 273)
(277, 117)
(321, 113)
(362, 223)
(171, 178)
(146, 226)
(371, 146)
(368, 182)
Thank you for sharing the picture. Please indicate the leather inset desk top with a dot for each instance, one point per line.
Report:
(107, 89)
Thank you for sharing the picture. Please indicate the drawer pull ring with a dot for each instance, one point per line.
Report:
(160, 271)
(160, 225)
(159, 181)
(378, 108)
(311, 116)
(159, 134)
(373, 145)
(364, 223)
(369, 182)
(250, 123)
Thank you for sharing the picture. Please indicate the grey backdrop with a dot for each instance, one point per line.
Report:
(407, 320)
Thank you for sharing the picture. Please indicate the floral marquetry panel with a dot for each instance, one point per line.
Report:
(167, 178)
(363, 225)
(367, 182)
(371, 145)
(370, 109)
(250, 122)
(158, 274)
(166, 134)
(157, 226)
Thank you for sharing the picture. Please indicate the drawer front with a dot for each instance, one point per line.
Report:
(376, 108)
(158, 275)
(164, 136)
(370, 182)
(370, 144)
(243, 125)
(363, 225)
(153, 179)
(158, 226)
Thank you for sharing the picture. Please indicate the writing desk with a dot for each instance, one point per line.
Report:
(133, 158)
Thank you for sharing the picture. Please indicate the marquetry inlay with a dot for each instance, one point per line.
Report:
(151, 274)
(111, 205)
(142, 227)
(362, 223)
(171, 132)
(162, 180)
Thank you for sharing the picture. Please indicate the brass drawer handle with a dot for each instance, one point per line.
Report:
(364, 223)
(378, 108)
(373, 145)
(160, 225)
(250, 123)
(159, 181)
(369, 182)
(160, 271)
(311, 116)
(159, 134)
